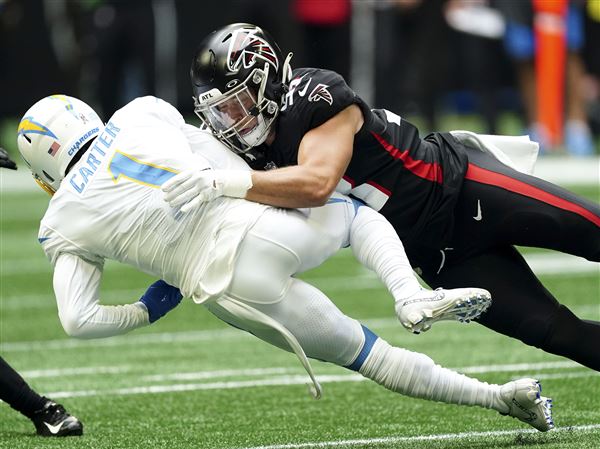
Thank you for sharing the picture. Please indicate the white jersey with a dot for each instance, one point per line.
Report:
(110, 205)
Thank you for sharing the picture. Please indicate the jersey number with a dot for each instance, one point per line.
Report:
(152, 175)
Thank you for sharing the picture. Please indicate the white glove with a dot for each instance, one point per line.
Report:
(190, 188)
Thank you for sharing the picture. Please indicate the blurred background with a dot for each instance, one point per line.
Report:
(496, 66)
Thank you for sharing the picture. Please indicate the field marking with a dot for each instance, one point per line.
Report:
(197, 375)
(417, 438)
(268, 382)
(518, 367)
(283, 380)
(542, 264)
(551, 263)
(125, 340)
(76, 371)
(188, 336)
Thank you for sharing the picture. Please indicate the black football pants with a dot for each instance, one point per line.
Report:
(16, 393)
(499, 207)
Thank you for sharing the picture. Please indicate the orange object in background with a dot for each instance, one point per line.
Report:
(550, 56)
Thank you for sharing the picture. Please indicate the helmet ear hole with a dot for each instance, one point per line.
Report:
(50, 178)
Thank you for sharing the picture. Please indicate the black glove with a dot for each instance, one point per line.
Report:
(6, 161)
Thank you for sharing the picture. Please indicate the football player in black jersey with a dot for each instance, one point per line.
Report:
(458, 209)
(49, 418)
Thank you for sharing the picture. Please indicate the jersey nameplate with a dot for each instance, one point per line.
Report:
(93, 158)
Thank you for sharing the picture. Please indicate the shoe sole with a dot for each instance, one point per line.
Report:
(543, 406)
(540, 407)
(462, 309)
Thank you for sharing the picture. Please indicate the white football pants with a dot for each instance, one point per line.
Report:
(282, 243)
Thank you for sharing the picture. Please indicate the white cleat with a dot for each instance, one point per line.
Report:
(524, 401)
(418, 312)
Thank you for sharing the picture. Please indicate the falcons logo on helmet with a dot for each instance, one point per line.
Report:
(246, 48)
(320, 92)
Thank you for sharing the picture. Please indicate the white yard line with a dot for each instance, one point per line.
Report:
(420, 438)
(154, 389)
(248, 372)
(542, 264)
(190, 336)
(198, 375)
(294, 379)
(77, 371)
(518, 367)
(127, 340)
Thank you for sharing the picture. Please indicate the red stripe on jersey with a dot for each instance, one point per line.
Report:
(425, 170)
(349, 181)
(484, 176)
(380, 188)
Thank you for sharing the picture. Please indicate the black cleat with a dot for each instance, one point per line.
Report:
(54, 421)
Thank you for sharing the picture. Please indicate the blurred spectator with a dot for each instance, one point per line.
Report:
(38, 53)
(591, 57)
(197, 19)
(325, 29)
(521, 46)
(412, 57)
(119, 51)
(478, 66)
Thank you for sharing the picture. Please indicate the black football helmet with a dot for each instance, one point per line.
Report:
(239, 80)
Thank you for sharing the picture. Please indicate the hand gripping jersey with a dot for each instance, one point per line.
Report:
(413, 182)
(110, 206)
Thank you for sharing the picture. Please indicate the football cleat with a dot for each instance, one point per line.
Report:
(525, 402)
(418, 312)
(54, 421)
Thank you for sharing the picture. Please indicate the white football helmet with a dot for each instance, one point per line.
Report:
(50, 135)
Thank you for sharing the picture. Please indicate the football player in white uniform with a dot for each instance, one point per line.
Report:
(235, 257)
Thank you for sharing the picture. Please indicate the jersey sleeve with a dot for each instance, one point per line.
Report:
(317, 95)
(77, 289)
(54, 244)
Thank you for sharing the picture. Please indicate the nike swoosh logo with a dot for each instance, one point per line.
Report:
(53, 429)
(478, 217)
(303, 91)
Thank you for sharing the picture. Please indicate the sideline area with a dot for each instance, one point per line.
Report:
(561, 170)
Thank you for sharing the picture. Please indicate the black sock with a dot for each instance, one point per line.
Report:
(16, 393)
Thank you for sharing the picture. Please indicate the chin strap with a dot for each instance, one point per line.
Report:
(286, 76)
(45, 187)
(263, 84)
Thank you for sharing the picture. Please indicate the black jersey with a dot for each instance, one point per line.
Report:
(413, 182)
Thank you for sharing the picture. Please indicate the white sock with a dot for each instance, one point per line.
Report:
(376, 245)
(416, 375)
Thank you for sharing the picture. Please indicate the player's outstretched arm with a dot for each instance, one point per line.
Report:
(323, 157)
(6, 161)
(77, 289)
